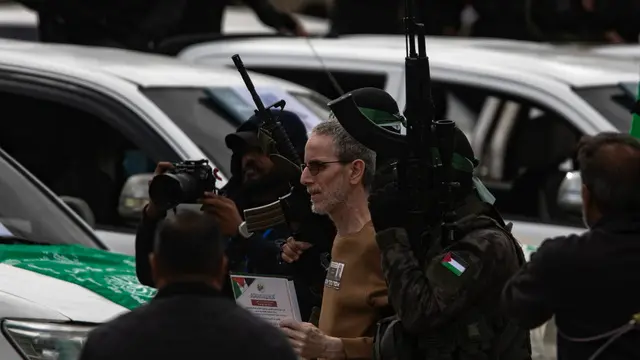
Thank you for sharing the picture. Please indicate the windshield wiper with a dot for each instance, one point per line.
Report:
(17, 240)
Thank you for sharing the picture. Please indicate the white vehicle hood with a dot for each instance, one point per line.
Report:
(27, 294)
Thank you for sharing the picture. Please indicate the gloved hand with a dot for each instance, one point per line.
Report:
(388, 207)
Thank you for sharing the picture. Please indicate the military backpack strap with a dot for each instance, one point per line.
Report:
(392, 342)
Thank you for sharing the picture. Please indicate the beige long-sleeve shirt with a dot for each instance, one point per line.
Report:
(355, 293)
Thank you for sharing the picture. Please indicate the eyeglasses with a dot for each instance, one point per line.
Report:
(316, 166)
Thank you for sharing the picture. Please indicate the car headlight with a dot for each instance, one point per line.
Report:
(46, 341)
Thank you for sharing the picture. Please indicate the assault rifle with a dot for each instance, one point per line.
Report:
(424, 154)
(295, 207)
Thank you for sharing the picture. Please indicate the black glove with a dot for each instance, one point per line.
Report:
(388, 207)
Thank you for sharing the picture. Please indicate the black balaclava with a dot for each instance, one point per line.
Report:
(246, 138)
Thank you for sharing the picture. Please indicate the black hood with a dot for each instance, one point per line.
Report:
(246, 137)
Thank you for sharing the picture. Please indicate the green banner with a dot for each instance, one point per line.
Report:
(635, 120)
(110, 275)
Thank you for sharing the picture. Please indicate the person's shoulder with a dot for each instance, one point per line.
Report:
(116, 328)
(485, 233)
(265, 337)
(560, 247)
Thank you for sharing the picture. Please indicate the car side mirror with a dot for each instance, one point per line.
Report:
(570, 193)
(134, 197)
(81, 208)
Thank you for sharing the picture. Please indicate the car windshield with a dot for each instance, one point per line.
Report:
(614, 102)
(28, 212)
(207, 115)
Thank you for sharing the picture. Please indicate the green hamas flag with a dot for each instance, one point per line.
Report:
(635, 120)
(111, 275)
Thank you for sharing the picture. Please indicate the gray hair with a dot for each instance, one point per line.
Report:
(348, 148)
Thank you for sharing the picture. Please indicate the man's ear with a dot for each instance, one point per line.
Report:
(357, 171)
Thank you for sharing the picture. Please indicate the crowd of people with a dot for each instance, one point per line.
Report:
(150, 26)
(460, 292)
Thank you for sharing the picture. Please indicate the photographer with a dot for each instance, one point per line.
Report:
(448, 304)
(255, 181)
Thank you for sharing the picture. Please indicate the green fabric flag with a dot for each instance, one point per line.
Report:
(111, 275)
(635, 120)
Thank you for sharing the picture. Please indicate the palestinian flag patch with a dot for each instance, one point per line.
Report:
(454, 263)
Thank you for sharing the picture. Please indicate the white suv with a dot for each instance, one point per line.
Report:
(523, 105)
(90, 122)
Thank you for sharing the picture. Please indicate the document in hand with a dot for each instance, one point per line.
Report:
(270, 298)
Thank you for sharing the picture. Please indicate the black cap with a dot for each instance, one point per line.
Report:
(377, 105)
(246, 136)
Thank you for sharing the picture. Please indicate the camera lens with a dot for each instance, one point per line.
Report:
(169, 190)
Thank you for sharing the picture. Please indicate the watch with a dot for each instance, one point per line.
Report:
(243, 231)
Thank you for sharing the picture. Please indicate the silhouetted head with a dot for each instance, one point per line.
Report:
(250, 161)
(188, 247)
(610, 170)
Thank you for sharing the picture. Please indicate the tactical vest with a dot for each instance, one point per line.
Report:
(474, 335)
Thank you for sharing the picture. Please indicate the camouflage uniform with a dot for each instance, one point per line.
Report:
(449, 308)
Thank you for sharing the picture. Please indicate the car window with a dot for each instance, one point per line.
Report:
(208, 115)
(19, 32)
(74, 153)
(320, 81)
(460, 103)
(527, 153)
(26, 211)
(613, 102)
(524, 149)
(316, 103)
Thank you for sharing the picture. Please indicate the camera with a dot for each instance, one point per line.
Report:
(185, 183)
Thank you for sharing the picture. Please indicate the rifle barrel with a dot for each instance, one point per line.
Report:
(247, 81)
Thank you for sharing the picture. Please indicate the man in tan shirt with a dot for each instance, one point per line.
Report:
(338, 172)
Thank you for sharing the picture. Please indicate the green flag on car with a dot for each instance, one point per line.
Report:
(635, 120)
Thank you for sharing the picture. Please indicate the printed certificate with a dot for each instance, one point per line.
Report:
(270, 298)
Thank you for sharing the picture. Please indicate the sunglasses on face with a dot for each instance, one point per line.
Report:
(315, 167)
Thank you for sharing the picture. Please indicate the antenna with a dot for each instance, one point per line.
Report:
(326, 70)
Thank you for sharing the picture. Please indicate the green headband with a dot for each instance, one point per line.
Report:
(458, 161)
(463, 164)
(381, 117)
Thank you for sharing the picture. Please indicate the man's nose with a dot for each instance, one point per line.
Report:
(306, 178)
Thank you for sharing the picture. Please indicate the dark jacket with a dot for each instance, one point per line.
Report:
(128, 24)
(366, 17)
(187, 321)
(448, 303)
(588, 282)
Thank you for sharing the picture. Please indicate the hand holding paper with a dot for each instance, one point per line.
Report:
(309, 342)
